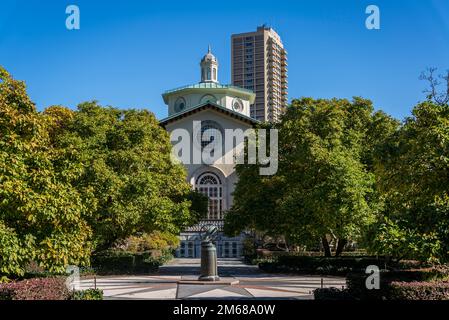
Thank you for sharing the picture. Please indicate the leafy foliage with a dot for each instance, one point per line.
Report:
(13, 252)
(332, 294)
(127, 173)
(319, 265)
(40, 214)
(398, 242)
(89, 294)
(322, 185)
(125, 262)
(413, 175)
(75, 181)
(437, 290)
(153, 241)
(35, 289)
(397, 283)
(397, 290)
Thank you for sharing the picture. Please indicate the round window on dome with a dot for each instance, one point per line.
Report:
(237, 105)
(208, 98)
(180, 104)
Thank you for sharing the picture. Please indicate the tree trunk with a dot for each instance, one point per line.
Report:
(105, 245)
(327, 249)
(340, 246)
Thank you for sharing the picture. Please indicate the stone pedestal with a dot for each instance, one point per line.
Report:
(209, 268)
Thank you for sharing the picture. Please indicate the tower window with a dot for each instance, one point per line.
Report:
(180, 104)
(208, 98)
(237, 105)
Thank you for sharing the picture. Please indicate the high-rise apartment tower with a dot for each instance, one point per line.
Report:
(259, 63)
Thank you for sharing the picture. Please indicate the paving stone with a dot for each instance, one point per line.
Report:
(252, 283)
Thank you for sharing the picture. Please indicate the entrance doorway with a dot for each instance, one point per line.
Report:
(187, 249)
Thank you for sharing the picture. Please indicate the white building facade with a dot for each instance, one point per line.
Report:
(204, 109)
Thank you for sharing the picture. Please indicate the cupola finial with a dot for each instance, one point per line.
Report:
(209, 67)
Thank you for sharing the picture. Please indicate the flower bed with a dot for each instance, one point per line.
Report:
(435, 290)
(357, 287)
(52, 288)
(320, 265)
(35, 289)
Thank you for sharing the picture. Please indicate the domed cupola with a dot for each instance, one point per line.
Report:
(209, 68)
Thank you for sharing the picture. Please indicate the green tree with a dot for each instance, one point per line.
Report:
(127, 172)
(40, 214)
(323, 187)
(413, 174)
(75, 181)
(255, 204)
(248, 211)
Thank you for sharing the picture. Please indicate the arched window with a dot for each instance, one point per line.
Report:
(208, 74)
(209, 184)
(207, 179)
(208, 98)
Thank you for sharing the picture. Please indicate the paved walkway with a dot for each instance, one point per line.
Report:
(253, 284)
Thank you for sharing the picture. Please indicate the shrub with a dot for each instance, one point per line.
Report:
(124, 262)
(437, 290)
(112, 261)
(320, 265)
(13, 252)
(249, 250)
(357, 287)
(89, 294)
(332, 294)
(258, 261)
(412, 264)
(35, 289)
(87, 271)
(151, 241)
(268, 254)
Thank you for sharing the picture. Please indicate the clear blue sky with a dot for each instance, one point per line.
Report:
(128, 52)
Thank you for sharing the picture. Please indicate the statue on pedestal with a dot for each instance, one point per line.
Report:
(209, 268)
